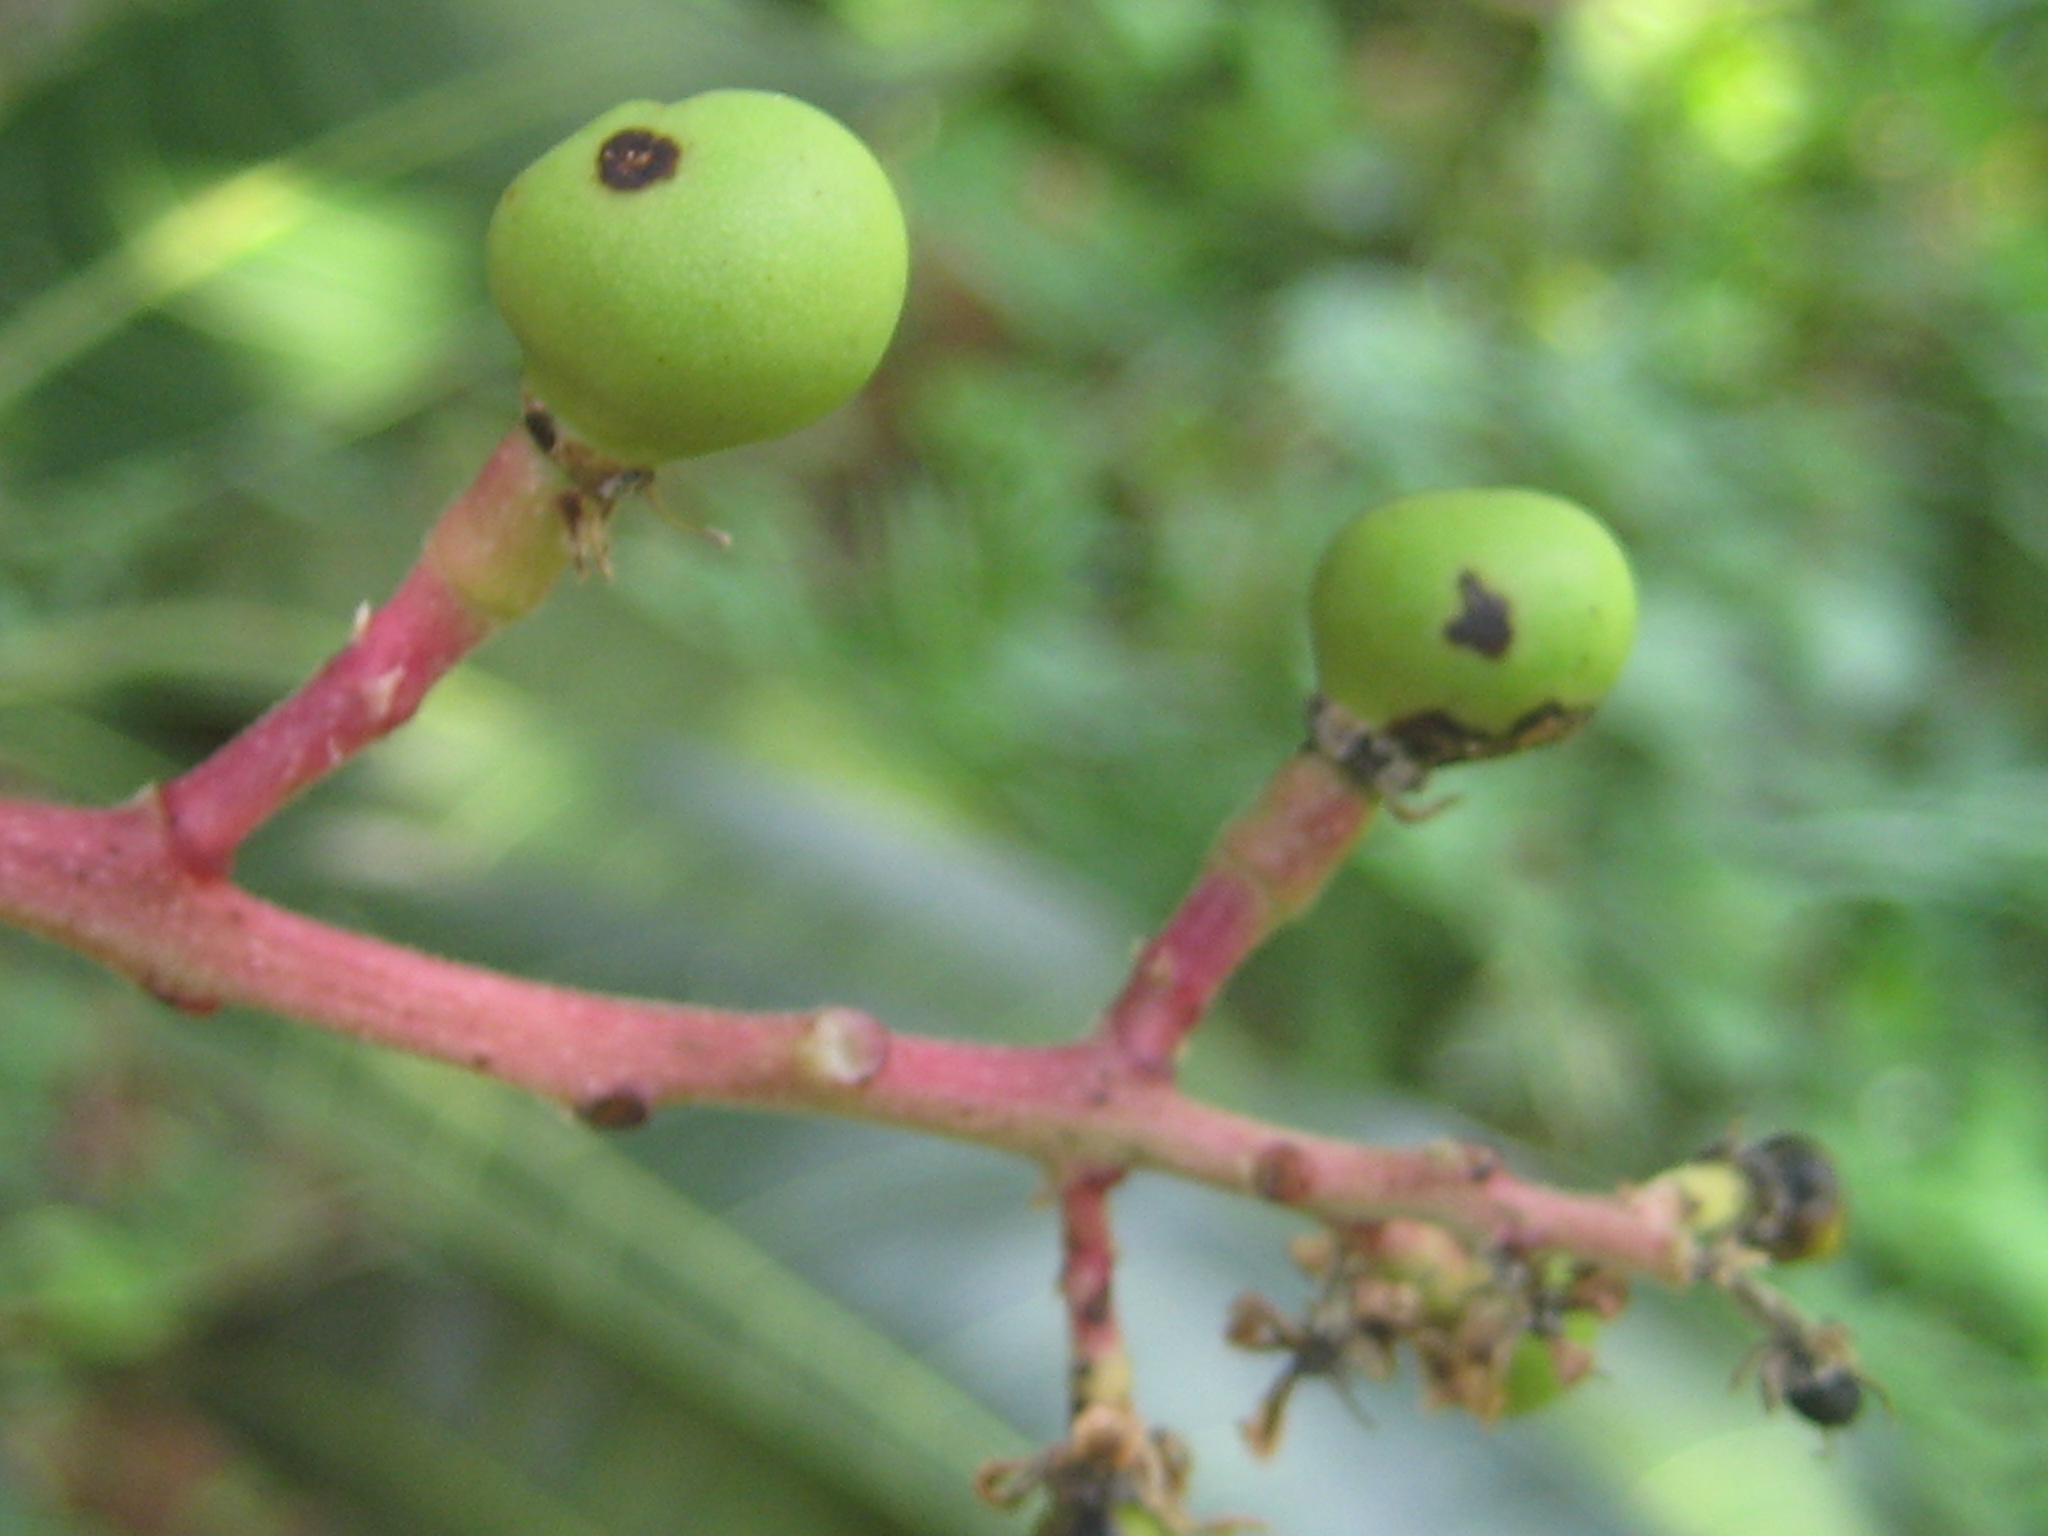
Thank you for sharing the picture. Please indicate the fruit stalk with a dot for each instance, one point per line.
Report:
(491, 557)
(107, 882)
(1266, 868)
(1100, 1369)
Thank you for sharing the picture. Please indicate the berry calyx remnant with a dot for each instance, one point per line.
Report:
(1797, 1209)
(1812, 1369)
(688, 277)
(1465, 624)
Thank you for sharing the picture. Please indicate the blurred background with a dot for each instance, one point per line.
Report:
(947, 730)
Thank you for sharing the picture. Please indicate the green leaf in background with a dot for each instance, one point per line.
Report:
(529, 1200)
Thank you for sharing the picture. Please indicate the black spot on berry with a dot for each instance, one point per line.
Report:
(636, 158)
(540, 426)
(1434, 738)
(1482, 623)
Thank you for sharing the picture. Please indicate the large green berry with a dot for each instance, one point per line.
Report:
(1462, 624)
(688, 277)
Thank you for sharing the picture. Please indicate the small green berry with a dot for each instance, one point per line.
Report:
(1543, 1367)
(1471, 623)
(688, 277)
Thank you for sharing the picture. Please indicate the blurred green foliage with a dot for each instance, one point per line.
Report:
(1764, 281)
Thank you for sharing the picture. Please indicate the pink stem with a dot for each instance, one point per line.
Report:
(142, 888)
(493, 552)
(112, 884)
(1101, 1372)
(366, 691)
(1270, 863)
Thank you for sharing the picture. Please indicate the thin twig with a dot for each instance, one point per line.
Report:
(143, 888)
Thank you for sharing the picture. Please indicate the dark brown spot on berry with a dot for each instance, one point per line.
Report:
(620, 1110)
(1548, 721)
(636, 158)
(540, 426)
(1434, 737)
(1482, 624)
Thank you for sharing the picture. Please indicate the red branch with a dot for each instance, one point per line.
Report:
(364, 693)
(142, 888)
(1268, 866)
(109, 884)
(493, 554)
(1101, 1369)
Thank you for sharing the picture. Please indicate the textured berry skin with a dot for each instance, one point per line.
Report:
(1469, 623)
(687, 277)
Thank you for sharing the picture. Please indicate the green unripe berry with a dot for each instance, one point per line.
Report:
(1543, 1367)
(688, 277)
(1470, 623)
